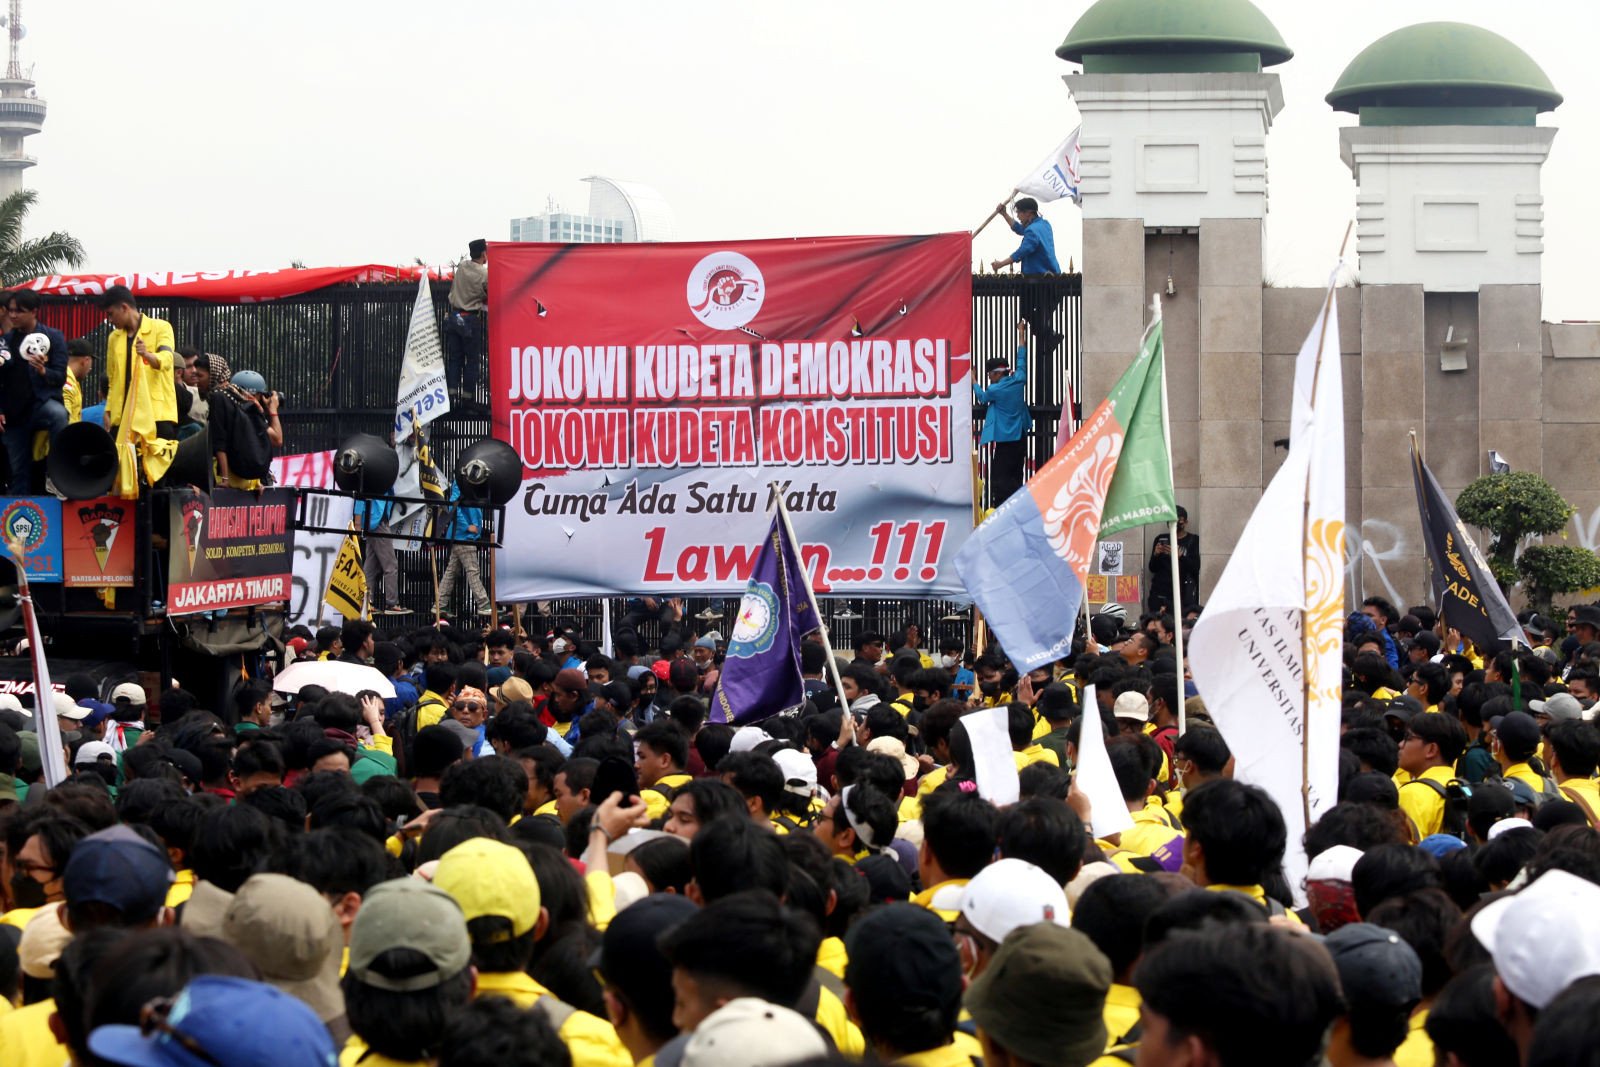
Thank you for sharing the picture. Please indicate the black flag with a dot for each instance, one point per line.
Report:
(1464, 587)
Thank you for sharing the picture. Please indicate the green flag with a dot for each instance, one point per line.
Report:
(1141, 489)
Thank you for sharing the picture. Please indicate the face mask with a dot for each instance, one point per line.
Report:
(26, 892)
(919, 703)
(990, 688)
(947, 661)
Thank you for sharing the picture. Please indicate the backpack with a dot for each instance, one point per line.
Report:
(403, 729)
(249, 451)
(1457, 796)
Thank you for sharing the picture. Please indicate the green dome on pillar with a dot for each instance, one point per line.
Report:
(1444, 74)
(1173, 36)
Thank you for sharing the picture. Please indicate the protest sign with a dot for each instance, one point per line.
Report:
(229, 549)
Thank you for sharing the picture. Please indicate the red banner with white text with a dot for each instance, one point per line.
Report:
(659, 394)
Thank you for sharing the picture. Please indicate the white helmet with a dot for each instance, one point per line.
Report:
(35, 344)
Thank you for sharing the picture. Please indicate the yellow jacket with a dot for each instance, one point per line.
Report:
(592, 1041)
(136, 404)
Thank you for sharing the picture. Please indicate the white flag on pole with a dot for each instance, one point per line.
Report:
(1057, 177)
(423, 397)
(1246, 653)
(1108, 812)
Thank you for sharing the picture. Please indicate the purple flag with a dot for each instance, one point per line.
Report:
(761, 672)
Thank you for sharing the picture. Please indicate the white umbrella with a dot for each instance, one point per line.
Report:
(334, 675)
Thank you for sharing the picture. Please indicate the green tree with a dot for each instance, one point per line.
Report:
(1549, 570)
(1514, 507)
(24, 258)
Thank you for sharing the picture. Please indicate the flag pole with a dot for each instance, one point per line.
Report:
(811, 597)
(1172, 540)
(1305, 577)
(992, 216)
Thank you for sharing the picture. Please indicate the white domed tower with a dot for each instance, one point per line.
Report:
(21, 110)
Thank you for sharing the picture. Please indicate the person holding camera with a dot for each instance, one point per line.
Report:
(244, 424)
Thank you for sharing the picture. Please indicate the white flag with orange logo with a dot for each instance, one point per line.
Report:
(1250, 659)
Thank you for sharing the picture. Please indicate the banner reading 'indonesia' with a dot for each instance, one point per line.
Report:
(655, 391)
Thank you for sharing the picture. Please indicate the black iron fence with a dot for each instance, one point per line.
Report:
(334, 355)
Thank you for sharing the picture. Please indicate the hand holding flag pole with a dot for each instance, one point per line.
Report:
(999, 208)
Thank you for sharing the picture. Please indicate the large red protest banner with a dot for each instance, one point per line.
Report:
(655, 392)
(222, 286)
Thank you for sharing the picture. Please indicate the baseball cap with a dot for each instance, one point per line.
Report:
(1441, 845)
(117, 867)
(1427, 640)
(288, 931)
(707, 642)
(746, 738)
(1375, 966)
(42, 942)
(1131, 705)
(799, 773)
(133, 692)
(227, 1017)
(1562, 706)
(1515, 822)
(1010, 893)
(9, 702)
(99, 712)
(299, 644)
(1043, 994)
(1587, 615)
(250, 381)
(488, 877)
(1518, 733)
(1372, 787)
(628, 957)
(409, 913)
(67, 708)
(895, 749)
(1543, 938)
(1336, 864)
(748, 1032)
(572, 678)
(92, 751)
(904, 953)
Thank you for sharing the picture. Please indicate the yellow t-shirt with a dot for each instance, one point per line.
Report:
(591, 1040)
(26, 1040)
(1587, 788)
(925, 899)
(656, 802)
(355, 1052)
(832, 1017)
(1417, 1049)
(1422, 803)
(831, 956)
(1121, 1013)
(181, 889)
(1036, 753)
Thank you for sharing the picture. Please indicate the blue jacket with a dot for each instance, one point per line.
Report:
(380, 513)
(1037, 252)
(465, 522)
(1008, 418)
(48, 385)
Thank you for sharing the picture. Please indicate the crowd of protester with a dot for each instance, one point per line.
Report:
(538, 854)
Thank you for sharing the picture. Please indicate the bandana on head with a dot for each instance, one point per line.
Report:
(469, 693)
(218, 368)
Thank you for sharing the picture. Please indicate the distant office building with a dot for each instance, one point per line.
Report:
(618, 211)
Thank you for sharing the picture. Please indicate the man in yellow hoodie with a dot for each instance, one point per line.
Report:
(141, 397)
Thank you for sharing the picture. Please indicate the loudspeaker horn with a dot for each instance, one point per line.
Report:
(365, 464)
(489, 472)
(193, 465)
(83, 461)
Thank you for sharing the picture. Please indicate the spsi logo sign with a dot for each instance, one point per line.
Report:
(725, 290)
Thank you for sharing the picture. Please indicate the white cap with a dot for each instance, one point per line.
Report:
(1010, 893)
(92, 751)
(1515, 822)
(1131, 705)
(895, 748)
(67, 708)
(9, 702)
(746, 738)
(799, 773)
(747, 1032)
(1543, 938)
(132, 692)
(1336, 864)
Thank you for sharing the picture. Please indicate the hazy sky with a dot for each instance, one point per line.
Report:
(197, 134)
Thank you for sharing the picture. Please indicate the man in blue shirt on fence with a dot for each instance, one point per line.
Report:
(1007, 423)
(1036, 255)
